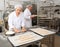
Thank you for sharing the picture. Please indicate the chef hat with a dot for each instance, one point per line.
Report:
(29, 5)
(19, 5)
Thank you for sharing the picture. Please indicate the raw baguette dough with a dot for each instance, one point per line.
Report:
(42, 31)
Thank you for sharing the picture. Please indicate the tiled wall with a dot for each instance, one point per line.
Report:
(56, 2)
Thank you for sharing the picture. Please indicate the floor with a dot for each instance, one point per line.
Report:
(57, 41)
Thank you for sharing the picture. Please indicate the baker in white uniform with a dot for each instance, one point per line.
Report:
(16, 19)
(28, 17)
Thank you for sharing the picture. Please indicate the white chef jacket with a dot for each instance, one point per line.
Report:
(28, 21)
(14, 21)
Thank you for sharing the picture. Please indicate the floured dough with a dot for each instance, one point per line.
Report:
(9, 32)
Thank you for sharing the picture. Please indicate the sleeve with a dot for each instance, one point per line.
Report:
(23, 22)
(26, 15)
(10, 22)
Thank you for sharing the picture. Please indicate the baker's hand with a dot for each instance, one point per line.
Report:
(16, 30)
(33, 16)
(23, 29)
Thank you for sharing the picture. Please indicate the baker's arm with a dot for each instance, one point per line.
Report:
(10, 23)
(27, 16)
(23, 25)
